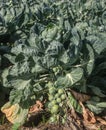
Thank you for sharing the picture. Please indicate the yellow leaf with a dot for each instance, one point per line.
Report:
(14, 113)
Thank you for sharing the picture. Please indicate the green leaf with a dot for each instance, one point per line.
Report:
(75, 75)
(102, 104)
(104, 17)
(21, 91)
(98, 42)
(94, 108)
(54, 49)
(88, 58)
(90, 64)
(97, 91)
(24, 49)
(11, 58)
(49, 62)
(64, 58)
(20, 83)
(71, 78)
(50, 33)
(73, 103)
(20, 69)
(16, 126)
(4, 76)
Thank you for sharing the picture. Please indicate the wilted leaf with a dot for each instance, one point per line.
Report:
(36, 107)
(73, 114)
(88, 115)
(102, 121)
(91, 126)
(14, 113)
(80, 96)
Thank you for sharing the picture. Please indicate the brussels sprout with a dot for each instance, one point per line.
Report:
(51, 97)
(53, 102)
(55, 69)
(57, 95)
(55, 109)
(60, 91)
(61, 104)
(53, 119)
(63, 96)
(49, 105)
(58, 100)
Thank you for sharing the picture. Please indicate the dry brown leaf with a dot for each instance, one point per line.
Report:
(78, 122)
(9, 112)
(102, 121)
(35, 129)
(91, 126)
(80, 96)
(14, 113)
(74, 114)
(36, 107)
(88, 115)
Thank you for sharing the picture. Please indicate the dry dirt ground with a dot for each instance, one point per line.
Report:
(71, 125)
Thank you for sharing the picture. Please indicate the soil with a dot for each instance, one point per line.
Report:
(35, 122)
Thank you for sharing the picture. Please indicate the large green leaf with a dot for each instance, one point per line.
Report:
(87, 59)
(75, 75)
(91, 58)
(22, 92)
(104, 17)
(70, 78)
(54, 49)
(102, 104)
(50, 33)
(94, 108)
(97, 91)
(98, 42)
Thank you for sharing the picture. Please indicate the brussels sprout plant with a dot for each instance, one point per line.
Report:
(53, 47)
